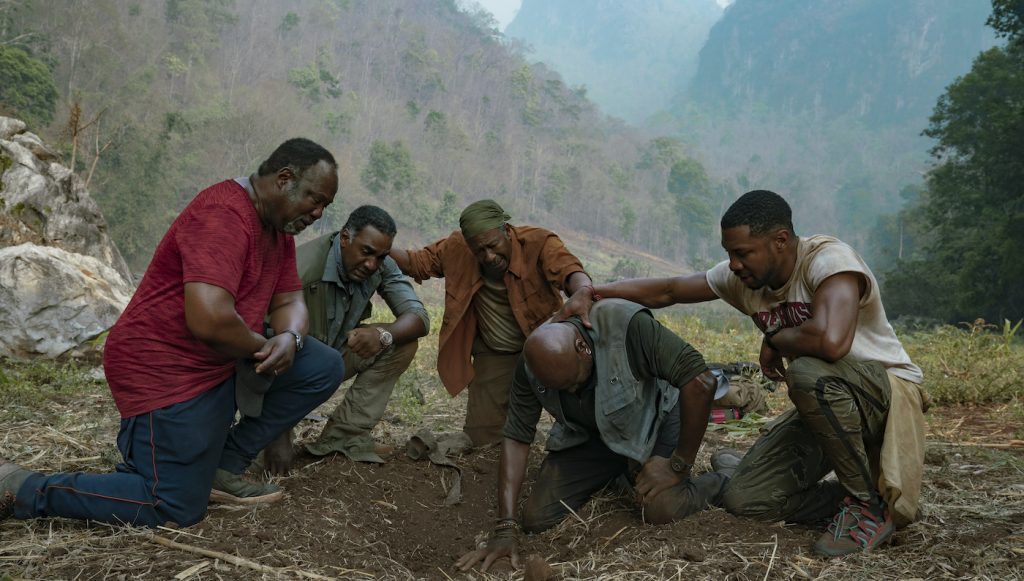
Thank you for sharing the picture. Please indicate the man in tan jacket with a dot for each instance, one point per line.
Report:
(501, 283)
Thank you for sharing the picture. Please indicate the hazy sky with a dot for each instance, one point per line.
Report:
(505, 10)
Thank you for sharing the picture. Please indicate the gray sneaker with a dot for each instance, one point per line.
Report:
(231, 488)
(726, 460)
(12, 477)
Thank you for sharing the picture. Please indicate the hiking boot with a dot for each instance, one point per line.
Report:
(855, 528)
(231, 488)
(726, 460)
(12, 477)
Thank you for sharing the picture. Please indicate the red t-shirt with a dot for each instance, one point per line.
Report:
(151, 359)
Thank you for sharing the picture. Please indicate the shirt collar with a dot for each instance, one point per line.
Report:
(515, 262)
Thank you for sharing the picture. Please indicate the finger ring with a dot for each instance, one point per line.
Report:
(275, 373)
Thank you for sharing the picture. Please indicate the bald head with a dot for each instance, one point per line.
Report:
(558, 356)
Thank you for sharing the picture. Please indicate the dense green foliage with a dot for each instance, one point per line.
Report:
(969, 224)
(26, 86)
(423, 104)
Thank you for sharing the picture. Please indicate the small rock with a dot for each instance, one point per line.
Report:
(537, 569)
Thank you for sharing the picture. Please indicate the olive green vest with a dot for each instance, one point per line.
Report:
(629, 410)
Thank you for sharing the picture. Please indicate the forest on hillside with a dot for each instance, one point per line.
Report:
(842, 106)
(428, 107)
(424, 104)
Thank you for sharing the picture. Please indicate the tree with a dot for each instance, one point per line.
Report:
(389, 169)
(27, 89)
(975, 203)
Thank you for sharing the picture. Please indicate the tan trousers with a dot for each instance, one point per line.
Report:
(488, 394)
(348, 429)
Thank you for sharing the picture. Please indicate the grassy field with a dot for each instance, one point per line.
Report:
(59, 416)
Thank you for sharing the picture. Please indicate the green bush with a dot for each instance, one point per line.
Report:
(971, 364)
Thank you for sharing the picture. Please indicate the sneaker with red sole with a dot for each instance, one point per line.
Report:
(856, 527)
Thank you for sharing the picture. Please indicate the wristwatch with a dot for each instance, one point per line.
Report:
(678, 465)
(298, 339)
(385, 338)
(771, 331)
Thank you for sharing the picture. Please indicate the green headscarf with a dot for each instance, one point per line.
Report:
(480, 217)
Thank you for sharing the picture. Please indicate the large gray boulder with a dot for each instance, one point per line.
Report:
(54, 302)
(62, 280)
(43, 202)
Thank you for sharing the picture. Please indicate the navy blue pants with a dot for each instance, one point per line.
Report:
(171, 454)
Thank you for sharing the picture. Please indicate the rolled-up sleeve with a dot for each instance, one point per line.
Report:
(523, 407)
(397, 292)
(558, 263)
(427, 262)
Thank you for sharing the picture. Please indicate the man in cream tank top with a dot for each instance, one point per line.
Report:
(856, 393)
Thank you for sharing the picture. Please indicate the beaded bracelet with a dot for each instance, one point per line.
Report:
(506, 523)
(593, 293)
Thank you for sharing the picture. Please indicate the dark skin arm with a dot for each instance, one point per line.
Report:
(576, 281)
(511, 473)
(211, 317)
(654, 293)
(828, 334)
(695, 404)
(365, 341)
(401, 257)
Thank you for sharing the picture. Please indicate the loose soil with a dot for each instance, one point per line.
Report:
(348, 520)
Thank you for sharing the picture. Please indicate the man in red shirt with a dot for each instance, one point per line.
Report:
(191, 337)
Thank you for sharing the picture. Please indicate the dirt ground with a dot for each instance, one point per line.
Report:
(357, 521)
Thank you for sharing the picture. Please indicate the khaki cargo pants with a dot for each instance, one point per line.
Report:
(348, 428)
(838, 424)
(488, 394)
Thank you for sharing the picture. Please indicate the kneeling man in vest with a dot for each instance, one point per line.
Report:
(340, 272)
(628, 397)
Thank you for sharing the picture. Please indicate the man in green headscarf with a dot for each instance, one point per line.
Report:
(501, 283)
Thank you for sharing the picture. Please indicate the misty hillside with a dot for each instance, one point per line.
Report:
(633, 56)
(425, 107)
(825, 100)
(879, 61)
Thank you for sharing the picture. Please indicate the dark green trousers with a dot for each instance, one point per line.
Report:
(573, 476)
(838, 424)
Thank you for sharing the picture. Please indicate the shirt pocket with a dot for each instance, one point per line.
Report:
(619, 406)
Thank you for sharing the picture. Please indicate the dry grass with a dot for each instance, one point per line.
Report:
(62, 418)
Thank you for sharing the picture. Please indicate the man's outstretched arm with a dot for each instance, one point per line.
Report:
(503, 542)
(650, 292)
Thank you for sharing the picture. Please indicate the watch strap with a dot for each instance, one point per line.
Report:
(298, 339)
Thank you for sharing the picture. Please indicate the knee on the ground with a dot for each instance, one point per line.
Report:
(536, 521)
(739, 503)
(180, 514)
(660, 510)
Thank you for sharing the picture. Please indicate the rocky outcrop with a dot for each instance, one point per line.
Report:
(62, 280)
(54, 302)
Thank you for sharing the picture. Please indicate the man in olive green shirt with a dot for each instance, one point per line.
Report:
(340, 273)
(628, 397)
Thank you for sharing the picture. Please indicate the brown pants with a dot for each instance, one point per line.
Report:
(488, 394)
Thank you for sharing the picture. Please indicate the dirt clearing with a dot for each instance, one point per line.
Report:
(357, 521)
